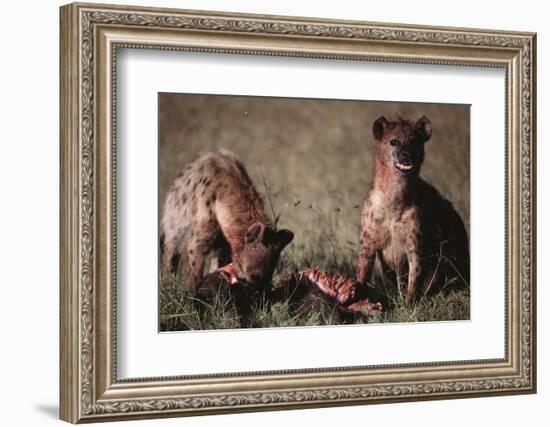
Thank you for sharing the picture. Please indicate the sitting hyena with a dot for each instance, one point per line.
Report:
(212, 208)
(406, 225)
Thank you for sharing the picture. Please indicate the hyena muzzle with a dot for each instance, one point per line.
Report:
(407, 227)
(213, 210)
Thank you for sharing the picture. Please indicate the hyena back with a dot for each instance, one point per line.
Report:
(406, 225)
(213, 209)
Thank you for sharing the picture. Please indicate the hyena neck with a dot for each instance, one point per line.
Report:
(257, 214)
(253, 210)
(235, 234)
(235, 215)
(399, 190)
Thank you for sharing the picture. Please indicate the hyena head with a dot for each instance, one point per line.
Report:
(260, 254)
(400, 143)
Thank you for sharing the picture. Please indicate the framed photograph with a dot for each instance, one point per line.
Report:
(264, 212)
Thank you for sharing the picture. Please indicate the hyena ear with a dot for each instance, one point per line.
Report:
(284, 237)
(379, 127)
(255, 233)
(424, 128)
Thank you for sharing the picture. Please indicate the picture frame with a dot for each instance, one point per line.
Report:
(91, 37)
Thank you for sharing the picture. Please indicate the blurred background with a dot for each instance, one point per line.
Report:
(313, 157)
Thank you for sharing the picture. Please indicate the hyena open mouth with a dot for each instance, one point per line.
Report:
(404, 167)
(404, 159)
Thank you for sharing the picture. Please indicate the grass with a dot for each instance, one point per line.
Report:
(329, 252)
(312, 162)
(179, 311)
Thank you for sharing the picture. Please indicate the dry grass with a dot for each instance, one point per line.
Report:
(315, 159)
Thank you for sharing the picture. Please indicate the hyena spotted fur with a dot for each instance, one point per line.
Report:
(407, 227)
(213, 210)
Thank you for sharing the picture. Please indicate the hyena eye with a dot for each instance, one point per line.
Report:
(395, 142)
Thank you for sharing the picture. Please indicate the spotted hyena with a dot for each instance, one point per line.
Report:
(407, 227)
(213, 210)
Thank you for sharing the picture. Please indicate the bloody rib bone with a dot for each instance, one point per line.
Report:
(343, 289)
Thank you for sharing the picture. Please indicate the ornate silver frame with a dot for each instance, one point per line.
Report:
(90, 36)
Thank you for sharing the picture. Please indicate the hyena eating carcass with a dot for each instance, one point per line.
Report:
(406, 225)
(212, 208)
(304, 291)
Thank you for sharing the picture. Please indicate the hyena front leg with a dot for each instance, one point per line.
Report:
(381, 269)
(170, 257)
(414, 259)
(194, 257)
(221, 255)
(367, 254)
